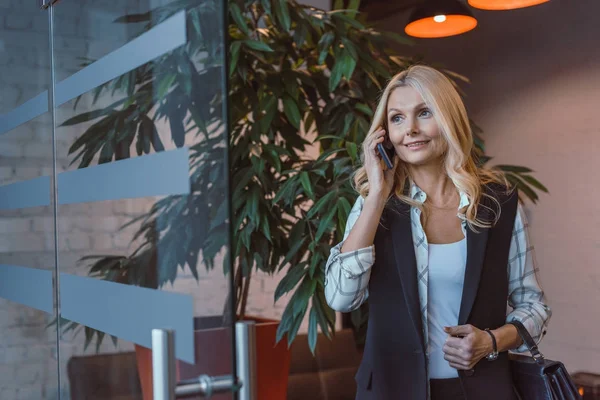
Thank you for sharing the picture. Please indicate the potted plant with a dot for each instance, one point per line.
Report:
(302, 83)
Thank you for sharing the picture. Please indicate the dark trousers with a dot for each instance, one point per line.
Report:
(446, 389)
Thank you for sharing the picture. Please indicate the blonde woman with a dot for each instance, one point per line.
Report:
(438, 246)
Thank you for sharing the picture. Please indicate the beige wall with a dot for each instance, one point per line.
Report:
(535, 91)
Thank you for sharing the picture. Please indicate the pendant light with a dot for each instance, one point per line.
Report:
(440, 18)
(504, 4)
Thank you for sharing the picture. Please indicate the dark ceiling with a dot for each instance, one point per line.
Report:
(379, 9)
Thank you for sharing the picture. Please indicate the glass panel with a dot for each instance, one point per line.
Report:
(143, 211)
(28, 341)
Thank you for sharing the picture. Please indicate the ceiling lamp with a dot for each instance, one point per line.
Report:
(440, 18)
(504, 4)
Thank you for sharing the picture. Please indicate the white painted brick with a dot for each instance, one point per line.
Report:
(72, 44)
(30, 393)
(133, 206)
(15, 225)
(102, 242)
(25, 173)
(74, 241)
(75, 209)
(22, 242)
(38, 150)
(7, 393)
(19, 354)
(17, 21)
(65, 29)
(25, 74)
(6, 173)
(102, 209)
(29, 373)
(43, 224)
(8, 149)
(28, 335)
(122, 239)
(104, 224)
(40, 22)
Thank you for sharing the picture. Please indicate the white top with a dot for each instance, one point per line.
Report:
(447, 264)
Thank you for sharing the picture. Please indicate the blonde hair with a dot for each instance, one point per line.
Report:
(450, 113)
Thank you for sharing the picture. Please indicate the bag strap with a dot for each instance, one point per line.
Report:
(537, 356)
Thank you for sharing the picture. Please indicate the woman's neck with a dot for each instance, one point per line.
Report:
(432, 179)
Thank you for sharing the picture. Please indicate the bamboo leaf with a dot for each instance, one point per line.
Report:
(266, 5)
(291, 111)
(91, 115)
(324, 45)
(340, 15)
(325, 223)
(293, 331)
(306, 184)
(321, 316)
(352, 150)
(234, 51)
(304, 292)
(336, 75)
(534, 182)
(296, 246)
(320, 204)
(257, 45)
(236, 13)
(134, 18)
(312, 329)
(513, 168)
(398, 38)
(365, 109)
(283, 14)
(164, 85)
(290, 280)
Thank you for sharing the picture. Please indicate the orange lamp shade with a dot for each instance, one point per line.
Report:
(440, 18)
(504, 4)
(440, 26)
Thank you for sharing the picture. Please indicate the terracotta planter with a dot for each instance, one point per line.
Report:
(213, 343)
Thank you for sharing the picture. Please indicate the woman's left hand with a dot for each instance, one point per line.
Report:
(466, 345)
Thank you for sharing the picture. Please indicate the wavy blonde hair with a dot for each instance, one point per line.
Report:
(450, 113)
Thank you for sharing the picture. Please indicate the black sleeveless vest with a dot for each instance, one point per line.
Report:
(394, 362)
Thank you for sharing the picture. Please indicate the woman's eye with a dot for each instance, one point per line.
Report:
(396, 118)
(426, 113)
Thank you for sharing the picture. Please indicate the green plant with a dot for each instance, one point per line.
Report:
(302, 85)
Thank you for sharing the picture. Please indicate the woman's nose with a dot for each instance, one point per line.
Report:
(413, 127)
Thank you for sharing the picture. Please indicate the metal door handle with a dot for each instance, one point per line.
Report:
(44, 4)
(163, 368)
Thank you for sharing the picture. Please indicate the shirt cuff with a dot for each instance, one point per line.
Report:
(529, 325)
(356, 263)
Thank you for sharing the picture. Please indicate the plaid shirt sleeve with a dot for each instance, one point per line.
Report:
(526, 297)
(347, 274)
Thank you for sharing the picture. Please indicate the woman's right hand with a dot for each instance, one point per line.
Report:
(381, 179)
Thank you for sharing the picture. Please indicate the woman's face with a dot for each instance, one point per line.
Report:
(412, 128)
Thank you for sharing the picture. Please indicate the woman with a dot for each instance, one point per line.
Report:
(438, 280)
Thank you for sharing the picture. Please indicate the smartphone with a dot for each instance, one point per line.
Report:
(387, 155)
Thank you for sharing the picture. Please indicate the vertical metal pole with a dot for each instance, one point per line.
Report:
(245, 337)
(163, 364)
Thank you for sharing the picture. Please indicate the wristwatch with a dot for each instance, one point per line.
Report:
(494, 354)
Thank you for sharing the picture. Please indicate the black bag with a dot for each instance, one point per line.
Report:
(536, 378)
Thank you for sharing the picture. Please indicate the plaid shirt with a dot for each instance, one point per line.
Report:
(347, 274)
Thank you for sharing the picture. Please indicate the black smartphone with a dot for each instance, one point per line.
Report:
(387, 155)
